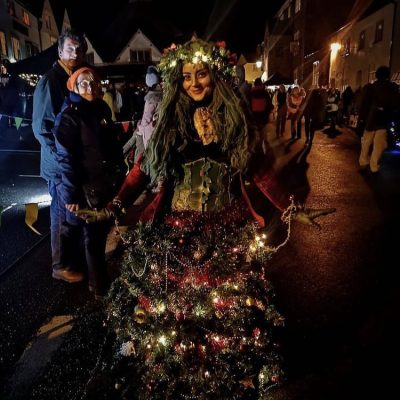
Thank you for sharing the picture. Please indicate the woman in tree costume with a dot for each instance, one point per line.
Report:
(192, 308)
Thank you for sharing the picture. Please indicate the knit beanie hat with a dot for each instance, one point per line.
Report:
(72, 79)
(152, 76)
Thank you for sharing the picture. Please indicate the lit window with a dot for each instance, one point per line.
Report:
(16, 48)
(371, 77)
(25, 18)
(361, 41)
(295, 75)
(315, 78)
(346, 47)
(3, 44)
(379, 31)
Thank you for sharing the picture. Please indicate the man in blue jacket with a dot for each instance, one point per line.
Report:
(47, 101)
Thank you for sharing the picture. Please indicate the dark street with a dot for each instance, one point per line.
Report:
(337, 288)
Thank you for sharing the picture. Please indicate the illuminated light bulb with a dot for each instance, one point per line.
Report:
(149, 346)
(235, 249)
(215, 299)
(261, 244)
(258, 238)
(264, 236)
(173, 333)
(163, 340)
(207, 374)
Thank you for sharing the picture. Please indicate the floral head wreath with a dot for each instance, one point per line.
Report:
(197, 51)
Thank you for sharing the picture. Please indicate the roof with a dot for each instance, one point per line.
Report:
(130, 19)
(36, 8)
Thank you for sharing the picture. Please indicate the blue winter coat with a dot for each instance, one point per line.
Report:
(89, 153)
(47, 101)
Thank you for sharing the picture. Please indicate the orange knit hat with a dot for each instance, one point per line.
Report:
(74, 77)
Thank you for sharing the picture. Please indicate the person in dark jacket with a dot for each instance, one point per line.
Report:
(314, 113)
(378, 104)
(261, 104)
(281, 111)
(91, 165)
(47, 101)
(243, 86)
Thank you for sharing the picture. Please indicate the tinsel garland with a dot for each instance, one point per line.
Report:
(193, 312)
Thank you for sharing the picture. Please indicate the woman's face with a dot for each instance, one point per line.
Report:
(87, 86)
(197, 81)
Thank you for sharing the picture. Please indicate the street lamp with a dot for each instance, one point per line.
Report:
(335, 47)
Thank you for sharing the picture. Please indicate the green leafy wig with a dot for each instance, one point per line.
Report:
(175, 122)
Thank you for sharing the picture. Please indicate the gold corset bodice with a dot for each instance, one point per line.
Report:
(206, 186)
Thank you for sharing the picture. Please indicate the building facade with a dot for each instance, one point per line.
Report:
(358, 49)
(293, 38)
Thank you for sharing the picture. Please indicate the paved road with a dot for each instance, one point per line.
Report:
(337, 287)
(20, 184)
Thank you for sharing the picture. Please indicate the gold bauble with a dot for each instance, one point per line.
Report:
(139, 314)
(250, 301)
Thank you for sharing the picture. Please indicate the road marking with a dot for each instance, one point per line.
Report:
(38, 353)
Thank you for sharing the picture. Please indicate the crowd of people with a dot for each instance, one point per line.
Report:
(369, 110)
(196, 158)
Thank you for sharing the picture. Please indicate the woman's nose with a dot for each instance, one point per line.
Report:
(195, 81)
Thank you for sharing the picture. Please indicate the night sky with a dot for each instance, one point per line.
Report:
(241, 23)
